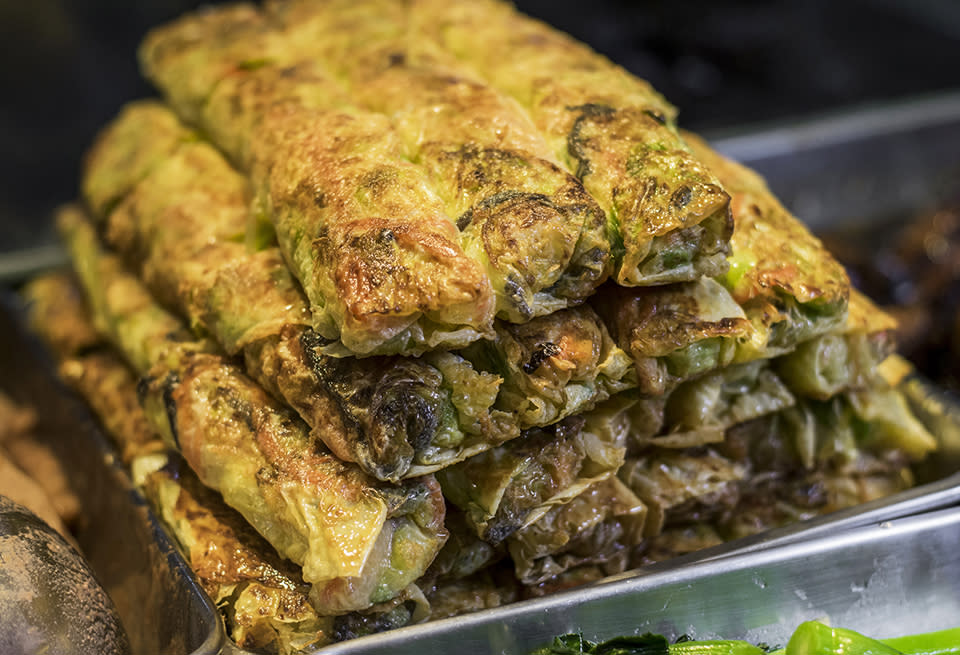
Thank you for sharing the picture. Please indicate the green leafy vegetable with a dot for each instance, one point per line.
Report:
(942, 642)
(815, 638)
(716, 647)
(575, 644)
(810, 638)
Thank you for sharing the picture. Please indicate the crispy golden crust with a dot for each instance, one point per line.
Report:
(642, 173)
(268, 423)
(541, 235)
(190, 55)
(554, 366)
(120, 307)
(156, 229)
(106, 382)
(773, 252)
(362, 231)
(358, 543)
(539, 244)
(182, 227)
(117, 160)
(436, 99)
(57, 312)
(673, 332)
(373, 246)
(610, 129)
(222, 549)
(478, 147)
(864, 316)
(263, 597)
(235, 109)
(529, 221)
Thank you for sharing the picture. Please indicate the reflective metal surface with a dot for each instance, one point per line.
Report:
(855, 167)
(890, 579)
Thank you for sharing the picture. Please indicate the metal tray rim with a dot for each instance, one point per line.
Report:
(658, 576)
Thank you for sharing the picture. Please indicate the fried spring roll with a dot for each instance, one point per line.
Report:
(819, 457)
(876, 420)
(56, 311)
(359, 542)
(673, 333)
(87, 363)
(464, 554)
(469, 574)
(511, 486)
(121, 309)
(119, 154)
(264, 597)
(266, 602)
(396, 417)
(539, 235)
(783, 289)
(265, 608)
(554, 366)
(382, 264)
(542, 238)
(822, 367)
(809, 458)
(789, 285)
(596, 528)
(485, 589)
(773, 501)
(683, 485)
(700, 411)
(848, 359)
(675, 541)
(668, 213)
(187, 62)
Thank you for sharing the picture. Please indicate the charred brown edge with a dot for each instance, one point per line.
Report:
(398, 410)
(587, 112)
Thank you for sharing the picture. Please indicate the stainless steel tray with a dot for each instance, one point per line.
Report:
(889, 579)
(879, 162)
(845, 565)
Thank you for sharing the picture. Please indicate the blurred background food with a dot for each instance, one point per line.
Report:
(912, 267)
(30, 474)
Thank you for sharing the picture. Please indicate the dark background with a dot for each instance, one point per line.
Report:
(69, 65)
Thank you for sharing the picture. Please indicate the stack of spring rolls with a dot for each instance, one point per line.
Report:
(434, 308)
